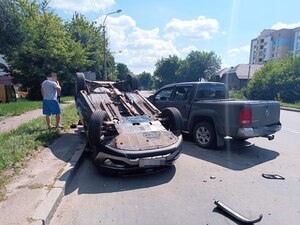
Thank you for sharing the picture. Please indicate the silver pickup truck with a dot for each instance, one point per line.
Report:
(210, 115)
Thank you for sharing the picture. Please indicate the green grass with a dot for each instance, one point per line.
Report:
(289, 105)
(239, 95)
(236, 95)
(17, 144)
(22, 105)
(64, 99)
(19, 107)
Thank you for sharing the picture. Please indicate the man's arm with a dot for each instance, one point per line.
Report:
(42, 90)
(58, 87)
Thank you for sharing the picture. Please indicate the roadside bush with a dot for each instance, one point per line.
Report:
(277, 80)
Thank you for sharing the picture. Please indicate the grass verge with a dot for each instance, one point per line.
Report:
(239, 95)
(19, 145)
(23, 105)
(289, 105)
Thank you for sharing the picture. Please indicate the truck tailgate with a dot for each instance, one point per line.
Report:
(265, 113)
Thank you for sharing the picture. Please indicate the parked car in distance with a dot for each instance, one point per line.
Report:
(7, 93)
(210, 115)
(126, 133)
(22, 91)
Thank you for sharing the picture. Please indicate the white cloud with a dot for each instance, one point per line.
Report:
(188, 49)
(281, 25)
(140, 48)
(236, 56)
(200, 27)
(234, 52)
(82, 5)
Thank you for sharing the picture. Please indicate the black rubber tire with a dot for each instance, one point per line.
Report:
(204, 135)
(173, 120)
(80, 82)
(94, 127)
(133, 82)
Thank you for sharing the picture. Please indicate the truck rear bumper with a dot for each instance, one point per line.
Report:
(249, 132)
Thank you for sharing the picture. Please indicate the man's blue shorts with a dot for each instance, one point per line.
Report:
(51, 107)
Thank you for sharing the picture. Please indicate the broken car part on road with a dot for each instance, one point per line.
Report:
(273, 176)
(237, 215)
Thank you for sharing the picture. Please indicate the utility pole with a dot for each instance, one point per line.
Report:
(104, 44)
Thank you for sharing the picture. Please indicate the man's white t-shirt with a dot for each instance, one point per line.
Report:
(49, 89)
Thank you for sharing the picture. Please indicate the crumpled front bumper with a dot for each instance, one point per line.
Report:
(120, 161)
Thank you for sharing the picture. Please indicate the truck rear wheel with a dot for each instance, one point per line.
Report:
(94, 128)
(172, 120)
(204, 135)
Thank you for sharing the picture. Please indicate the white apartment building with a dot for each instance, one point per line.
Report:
(274, 44)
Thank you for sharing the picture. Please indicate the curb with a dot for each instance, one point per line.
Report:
(47, 208)
(290, 109)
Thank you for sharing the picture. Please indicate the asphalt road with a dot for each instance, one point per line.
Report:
(185, 193)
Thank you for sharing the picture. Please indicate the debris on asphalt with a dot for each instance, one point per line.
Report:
(237, 215)
(273, 176)
(73, 125)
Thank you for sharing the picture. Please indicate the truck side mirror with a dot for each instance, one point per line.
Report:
(151, 98)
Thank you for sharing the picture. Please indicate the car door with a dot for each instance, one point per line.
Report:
(181, 100)
(162, 98)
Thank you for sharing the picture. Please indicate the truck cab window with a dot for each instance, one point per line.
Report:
(164, 95)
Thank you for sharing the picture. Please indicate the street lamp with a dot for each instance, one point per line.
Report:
(104, 46)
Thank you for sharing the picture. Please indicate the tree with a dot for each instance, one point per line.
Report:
(165, 71)
(277, 80)
(91, 38)
(199, 65)
(46, 46)
(10, 26)
(145, 81)
(123, 71)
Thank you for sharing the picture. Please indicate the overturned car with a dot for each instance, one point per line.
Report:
(125, 132)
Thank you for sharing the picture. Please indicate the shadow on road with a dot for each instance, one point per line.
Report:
(88, 180)
(234, 155)
(66, 145)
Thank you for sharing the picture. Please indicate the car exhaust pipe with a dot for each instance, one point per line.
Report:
(270, 137)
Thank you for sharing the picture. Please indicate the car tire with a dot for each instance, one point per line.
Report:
(133, 82)
(80, 82)
(204, 135)
(172, 120)
(94, 127)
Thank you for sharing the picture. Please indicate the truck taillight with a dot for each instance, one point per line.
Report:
(245, 117)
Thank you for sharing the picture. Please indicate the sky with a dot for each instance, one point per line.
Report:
(148, 30)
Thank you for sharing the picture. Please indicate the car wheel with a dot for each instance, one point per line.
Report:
(133, 82)
(172, 120)
(205, 135)
(80, 82)
(94, 128)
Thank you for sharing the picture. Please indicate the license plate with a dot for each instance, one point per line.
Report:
(152, 162)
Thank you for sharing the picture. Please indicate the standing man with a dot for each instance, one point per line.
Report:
(49, 90)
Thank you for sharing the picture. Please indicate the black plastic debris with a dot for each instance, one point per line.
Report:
(273, 176)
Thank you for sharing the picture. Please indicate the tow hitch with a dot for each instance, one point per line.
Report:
(270, 137)
(236, 215)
